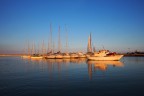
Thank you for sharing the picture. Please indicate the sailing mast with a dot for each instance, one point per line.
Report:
(28, 49)
(42, 51)
(59, 42)
(33, 51)
(24, 50)
(66, 40)
(49, 49)
(53, 47)
(50, 37)
(94, 49)
(89, 47)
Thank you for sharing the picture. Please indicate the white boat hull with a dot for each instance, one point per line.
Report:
(50, 57)
(66, 56)
(110, 58)
(82, 56)
(40, 57)
(25, 56)
(58, 56)
(74, 56)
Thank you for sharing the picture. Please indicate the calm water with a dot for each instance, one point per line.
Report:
(24, 77)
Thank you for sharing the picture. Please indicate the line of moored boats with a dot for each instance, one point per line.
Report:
(100, 55)
(96, 55)
(56, 56)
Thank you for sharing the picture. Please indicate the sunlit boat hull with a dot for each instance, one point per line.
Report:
(110, 58)
(58, 56)
(40, 57)
(66, 56)
(74, 56)
(26, 56)
(50, 57)
(82, 56)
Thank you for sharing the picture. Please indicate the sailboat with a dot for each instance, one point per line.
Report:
(81, 55)
(27, 55)
(66, 55)
(50, 54)
(35, 55)
(58, 55)
(74, 55)
(102, 54)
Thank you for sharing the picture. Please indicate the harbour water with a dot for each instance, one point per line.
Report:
(71, 77)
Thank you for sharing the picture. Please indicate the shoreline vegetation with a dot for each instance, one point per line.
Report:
(134, 55)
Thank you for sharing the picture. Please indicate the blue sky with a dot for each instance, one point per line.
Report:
(116, 25)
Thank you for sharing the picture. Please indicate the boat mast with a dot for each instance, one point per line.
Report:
(38, 49)
(49, 49)
(33, 48)
(50, 38)
(24, 50)
(53, 46)
(59, 42)
(28, 49)
(43, 48)
(66, 40)
(89, 47)
(90, 44)
(94, 49)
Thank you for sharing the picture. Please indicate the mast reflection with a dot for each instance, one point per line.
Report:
(58, 66)
(62, 67)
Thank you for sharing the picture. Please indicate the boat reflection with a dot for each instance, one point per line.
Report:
(63, 66)
(61, 61)
(65, 61)
(101, 65)
(37, 61)
(78, 61)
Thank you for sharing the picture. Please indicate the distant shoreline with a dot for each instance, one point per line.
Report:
(4, 55)
(134, 55)
(125, 55)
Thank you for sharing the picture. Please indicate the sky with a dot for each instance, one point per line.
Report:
(116, 25)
